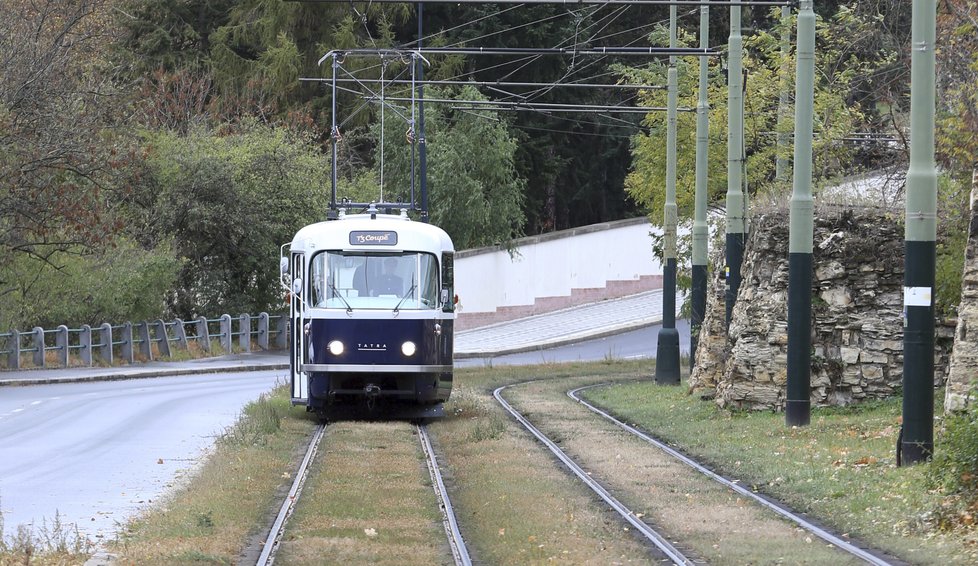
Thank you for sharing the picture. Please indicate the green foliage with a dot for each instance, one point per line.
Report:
(954, 470)
(475, 193)
(767, 74)
(953, 212)
(118, 282)
(229, 202)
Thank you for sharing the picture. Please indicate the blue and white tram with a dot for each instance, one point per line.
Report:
(372, 315)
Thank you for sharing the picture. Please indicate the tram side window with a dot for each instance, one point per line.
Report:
(448, 282)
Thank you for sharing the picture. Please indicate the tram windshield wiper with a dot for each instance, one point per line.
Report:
(336, 293)
(410, 291)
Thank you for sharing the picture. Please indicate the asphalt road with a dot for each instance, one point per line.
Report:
(95, 453)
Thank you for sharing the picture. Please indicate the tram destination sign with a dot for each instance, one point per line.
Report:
(373, 238)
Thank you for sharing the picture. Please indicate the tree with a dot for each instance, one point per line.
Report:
(475, 193)
(835, 117)
(80, 285)
(229, 201)
(63, 160)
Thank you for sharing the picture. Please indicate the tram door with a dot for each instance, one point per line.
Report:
(297, 345)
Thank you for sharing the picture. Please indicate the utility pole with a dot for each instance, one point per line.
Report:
(781, 161)
(422, 143)
(736, 209)
(917, 438)
(701, 233)
(801, 230)
(667, 356)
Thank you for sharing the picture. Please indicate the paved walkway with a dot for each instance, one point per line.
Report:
(561, 327)
(565, 326)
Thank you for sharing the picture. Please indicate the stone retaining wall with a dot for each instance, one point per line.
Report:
(857, 298)
(963, 375)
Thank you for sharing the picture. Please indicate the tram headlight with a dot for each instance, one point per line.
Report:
(335, 347)
(408, 348)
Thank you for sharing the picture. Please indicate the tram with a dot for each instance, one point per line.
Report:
(372, 309)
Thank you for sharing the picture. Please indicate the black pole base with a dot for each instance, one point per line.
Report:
(667, 357)
(798, 413)
(915, 452)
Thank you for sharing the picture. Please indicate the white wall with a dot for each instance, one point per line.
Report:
(551, 265)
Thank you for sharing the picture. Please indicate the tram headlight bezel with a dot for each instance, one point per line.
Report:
(335, 347)
(409, 348)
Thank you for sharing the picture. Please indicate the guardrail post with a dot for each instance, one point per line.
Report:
(61, 341)
(38, 340)
(282, 332)
(128, 352)
(226, 332)
(144, 343)
(163, 338)
(105, 349)
(244, 328)
(180, 334)
(85, 345)
(203, 335)
(14, 361)
(263, 330)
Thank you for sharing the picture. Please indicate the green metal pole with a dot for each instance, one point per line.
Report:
(736, 226)
(917, 441)
(422, 142)
(801, 229)
(700, 228)
(667, 355)
(781, 164)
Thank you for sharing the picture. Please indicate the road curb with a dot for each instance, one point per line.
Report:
(140, 374)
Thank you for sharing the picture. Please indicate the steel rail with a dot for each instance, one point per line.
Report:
(267, 556)
(459, 551)
(651, 534)
(788, 514)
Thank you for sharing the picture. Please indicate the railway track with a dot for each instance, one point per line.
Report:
(669, 550)
(774, 506)
(459, 550)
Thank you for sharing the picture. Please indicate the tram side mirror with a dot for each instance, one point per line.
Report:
(283, 266)
(297, 286)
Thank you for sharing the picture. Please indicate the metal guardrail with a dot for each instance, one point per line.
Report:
(108, 343)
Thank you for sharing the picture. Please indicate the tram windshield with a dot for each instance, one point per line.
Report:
(355, 280)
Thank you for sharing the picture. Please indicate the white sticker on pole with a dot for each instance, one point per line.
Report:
(917, 296)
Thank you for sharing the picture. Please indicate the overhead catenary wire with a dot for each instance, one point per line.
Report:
(556, 107)
(492, 83)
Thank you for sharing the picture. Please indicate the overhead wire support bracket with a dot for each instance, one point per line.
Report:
(654, 51)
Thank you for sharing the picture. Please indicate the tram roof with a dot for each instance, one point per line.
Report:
(376, 231)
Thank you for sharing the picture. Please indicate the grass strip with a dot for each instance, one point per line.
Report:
(841, 469)
(230, 498)
(368, 500)
(705, 518)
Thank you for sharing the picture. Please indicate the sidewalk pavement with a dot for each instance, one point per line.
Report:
(557, 328)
